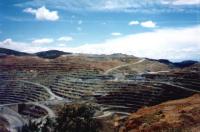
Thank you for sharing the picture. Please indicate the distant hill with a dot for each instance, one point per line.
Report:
(4, 52)
(186, 63)
(181, 64)
(51, 54)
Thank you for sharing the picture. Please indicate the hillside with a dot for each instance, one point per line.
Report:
(4, 52)
(177, 115)
(182, 64)
(51, 54)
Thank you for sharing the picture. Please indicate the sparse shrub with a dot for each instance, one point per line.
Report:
(32, 126)
(71, 118)
(77, 118)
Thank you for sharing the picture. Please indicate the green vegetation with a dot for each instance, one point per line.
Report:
(74, 118)
(32, 126)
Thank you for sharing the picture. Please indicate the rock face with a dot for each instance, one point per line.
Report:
(173, 116)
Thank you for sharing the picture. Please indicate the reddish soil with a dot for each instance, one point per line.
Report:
(173, 116)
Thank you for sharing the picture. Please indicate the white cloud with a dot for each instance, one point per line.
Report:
(23, 46)
(116, 34)
(131, 23)
(30, 10)
(7, 41)
(10, 44)
(79, 28)
(173, 44)
(181, 2)
(62, 45)
(115, 5)
(43, 13)
(80, 22)
(186, 2)
(148, 24)
(65, 38)
(42, 41)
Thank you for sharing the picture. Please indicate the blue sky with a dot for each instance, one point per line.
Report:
(103, 26)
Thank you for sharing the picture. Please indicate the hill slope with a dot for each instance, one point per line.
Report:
(177, 115)
(51, 54)
(4, 52)
(181, 64)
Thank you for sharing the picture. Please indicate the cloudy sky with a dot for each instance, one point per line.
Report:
(146, 28)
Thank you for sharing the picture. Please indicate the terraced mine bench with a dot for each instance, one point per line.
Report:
(31, 111)
(18, 92)
(137, 96)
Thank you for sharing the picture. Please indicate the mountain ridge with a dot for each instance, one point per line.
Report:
(52, 54)
(182, 64)
(4, 51)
